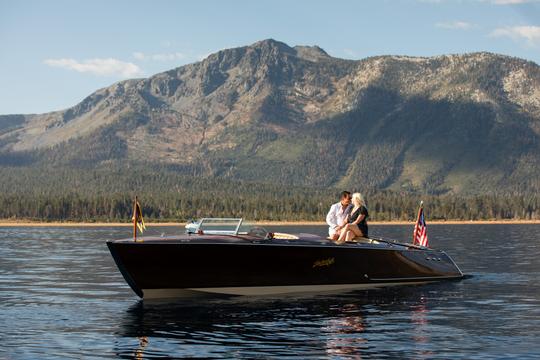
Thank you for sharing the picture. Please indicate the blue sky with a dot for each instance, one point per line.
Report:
(55, 53)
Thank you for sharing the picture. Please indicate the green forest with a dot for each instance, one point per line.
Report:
(106, 195)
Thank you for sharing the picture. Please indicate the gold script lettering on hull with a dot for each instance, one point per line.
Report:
(324, 262)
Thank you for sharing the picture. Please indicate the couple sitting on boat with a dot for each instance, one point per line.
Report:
(348, 221)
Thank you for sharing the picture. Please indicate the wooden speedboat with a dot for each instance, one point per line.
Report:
(221, 256)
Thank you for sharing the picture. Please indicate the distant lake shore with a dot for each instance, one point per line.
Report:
(25, 223)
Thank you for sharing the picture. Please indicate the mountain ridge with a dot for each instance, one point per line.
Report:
(296, 115)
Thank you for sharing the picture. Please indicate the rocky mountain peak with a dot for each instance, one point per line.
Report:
(311, 53)
(272, 46)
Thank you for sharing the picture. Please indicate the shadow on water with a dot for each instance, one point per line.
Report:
(354, 323)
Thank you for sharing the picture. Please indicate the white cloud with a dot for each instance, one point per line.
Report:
(529, 33)
(160, 57)
(455, 25)
(201, 57)
(138, 55)
(102, 67)
(166, 43)
(512, 2)
(496, 2)
(350, 53)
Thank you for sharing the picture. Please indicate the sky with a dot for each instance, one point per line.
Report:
(54, 53)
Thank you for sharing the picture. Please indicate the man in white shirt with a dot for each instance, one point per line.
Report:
(338, 214)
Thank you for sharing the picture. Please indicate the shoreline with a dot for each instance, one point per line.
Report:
(8, 223)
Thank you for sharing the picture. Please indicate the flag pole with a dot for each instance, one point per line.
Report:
(135, 219)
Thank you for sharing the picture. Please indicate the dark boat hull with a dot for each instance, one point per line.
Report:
(164, 268)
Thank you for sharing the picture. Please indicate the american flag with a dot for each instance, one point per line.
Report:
(420, 229)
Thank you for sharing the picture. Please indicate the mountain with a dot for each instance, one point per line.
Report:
(273, 113)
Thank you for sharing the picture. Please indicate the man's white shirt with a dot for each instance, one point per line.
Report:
(336, 216)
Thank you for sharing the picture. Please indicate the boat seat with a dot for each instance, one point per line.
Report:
(358, 239)
(284, 236)
(361, 239)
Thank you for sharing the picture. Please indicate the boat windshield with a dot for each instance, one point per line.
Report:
(225, 226)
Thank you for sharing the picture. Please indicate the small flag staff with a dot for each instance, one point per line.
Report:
(134, 218)
(138, 221)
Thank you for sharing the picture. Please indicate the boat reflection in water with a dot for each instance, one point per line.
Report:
(345, 333)
(222, 256)
(356, 324)
(419, 319)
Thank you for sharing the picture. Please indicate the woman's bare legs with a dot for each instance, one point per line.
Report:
(353, 231)
(343, 234)
(348, 233)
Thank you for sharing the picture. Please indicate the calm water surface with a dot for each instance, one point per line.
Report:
(61, 296)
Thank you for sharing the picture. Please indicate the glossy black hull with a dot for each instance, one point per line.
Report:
(244, 266)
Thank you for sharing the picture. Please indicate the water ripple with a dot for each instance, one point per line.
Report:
(61, 296)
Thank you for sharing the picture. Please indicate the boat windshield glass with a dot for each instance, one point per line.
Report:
(226, 226)
(229, 226)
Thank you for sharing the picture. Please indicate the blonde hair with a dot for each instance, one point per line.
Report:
(358, 199)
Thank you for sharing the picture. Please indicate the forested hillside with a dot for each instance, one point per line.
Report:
(107, 195)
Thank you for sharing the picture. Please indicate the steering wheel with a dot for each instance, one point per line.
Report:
(258, 232)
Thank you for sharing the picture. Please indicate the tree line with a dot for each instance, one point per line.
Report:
(107, 195)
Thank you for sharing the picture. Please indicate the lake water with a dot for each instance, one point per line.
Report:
(61, 296)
